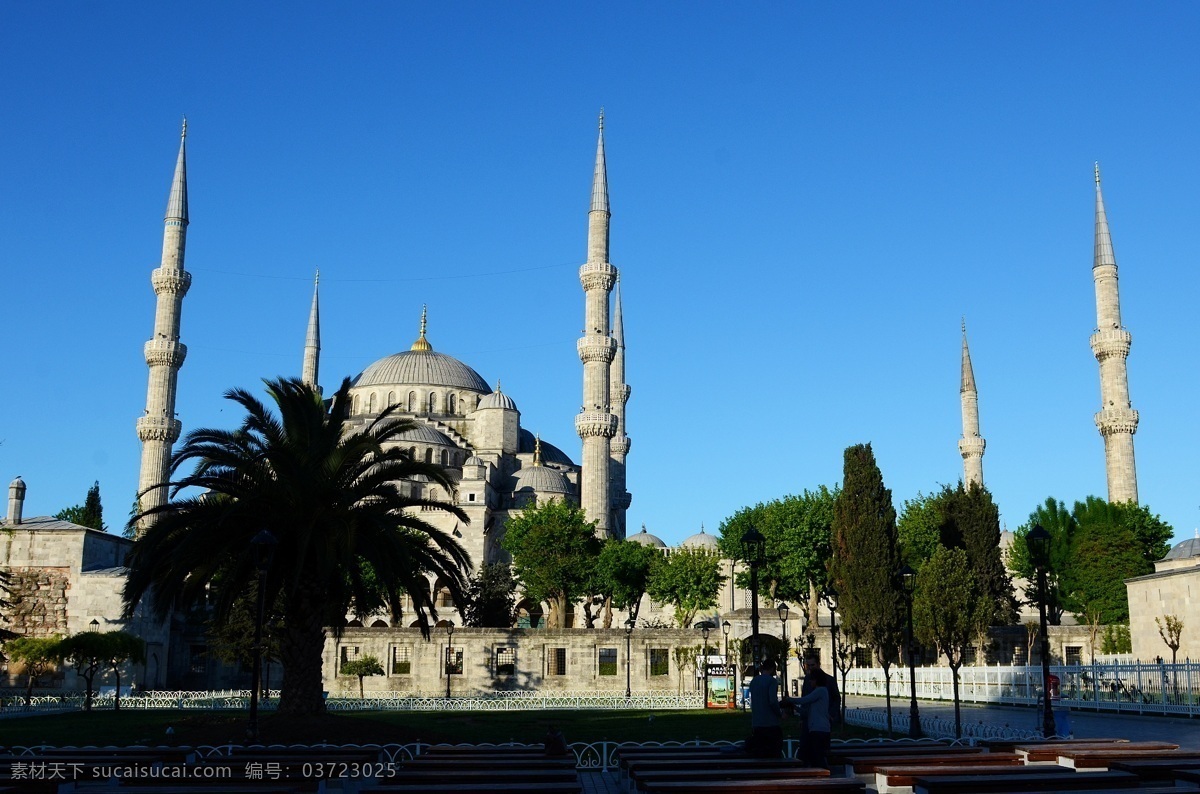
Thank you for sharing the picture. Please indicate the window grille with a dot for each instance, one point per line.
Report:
(506, 661)
(401, 660)
(607, 661)
(660, 663)
(556, 661)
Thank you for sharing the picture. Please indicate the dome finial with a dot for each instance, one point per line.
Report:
(317, 278)
(537, 450)
(183, 131)
(602, 118)
(498, 386)
(1096, 166)
(422, 344)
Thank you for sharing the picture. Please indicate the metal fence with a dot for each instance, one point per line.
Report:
(1133, 687)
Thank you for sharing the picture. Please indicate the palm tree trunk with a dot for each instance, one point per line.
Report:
(301, 646)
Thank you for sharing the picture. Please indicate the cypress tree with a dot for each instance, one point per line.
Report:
(93, 512)
(971, 522)
(866, 560)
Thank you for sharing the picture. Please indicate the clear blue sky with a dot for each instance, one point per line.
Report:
(807, 197)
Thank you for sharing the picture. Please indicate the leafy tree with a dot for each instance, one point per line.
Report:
(971, 522)
(866, 560)
(1170, 628)
(232, 639)
(37, 655)
(554, 549)
(797, 531)
(5, 604)
(331, 496)
(490, 598)
(120, 647)
(91, 652)
(88, 514)
(949, 610)
(1062, 526)
(919, 529)
(1104, 553)
(362, 667)
(1153, 535)
(623, 572)
(689, 580)
(1116, 639)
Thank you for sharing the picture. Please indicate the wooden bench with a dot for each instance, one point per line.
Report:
(1050, 752)
(1156, 769)
(1100, 760)
(475, 749)
(899, 779)
(1010, 745)
(1031, 782)
(826, 785)
(444, 788)
(865, 764)
(647, 780)
(495, 762)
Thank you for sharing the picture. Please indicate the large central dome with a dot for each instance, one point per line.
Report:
(422, 368)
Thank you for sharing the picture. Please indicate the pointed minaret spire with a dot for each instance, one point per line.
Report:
(971, 445)
(422, 343)
(158, 428)
(312, 341)
(595, 423)
(1116, 420)
(618, 395)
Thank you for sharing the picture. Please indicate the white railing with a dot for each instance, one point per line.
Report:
(936, 727)
(1124, 687)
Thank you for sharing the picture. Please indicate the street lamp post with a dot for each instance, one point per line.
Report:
(704, 629)
(831, 595)
(753, 551)
(908, 578)
(783, 616)
(628, 652)
(725, 627)
(263, 545)
(1038, 541)
(449, 654)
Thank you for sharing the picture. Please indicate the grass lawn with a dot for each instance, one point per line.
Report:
(382, 727)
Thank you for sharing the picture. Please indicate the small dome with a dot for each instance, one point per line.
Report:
(474, 460)
(1184, 549)
(701, 540)
(497, 399)
(424, 434)
(646, 539)
(420, 478)
(542, 480)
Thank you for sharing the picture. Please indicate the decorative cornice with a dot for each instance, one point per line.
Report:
(1112, 421)
(597, 275)
(174, 280)
(165, 352)
(594, 424)
(596, 348)
(158, 428)
(971, 447)
(620, 445)
(1109, 342)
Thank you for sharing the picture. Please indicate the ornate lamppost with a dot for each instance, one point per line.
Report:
(449, 654)
(1038, 542)
(705, 627)
(628, 652)
(783, 609)
(725, 627)
(753, 552)
(263, 546)
(908, 578)
(831, 597)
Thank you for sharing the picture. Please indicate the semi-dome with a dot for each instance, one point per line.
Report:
(1184, 549)
(424, 434)
(701, 540)
(526, 442)
(542, 480)
(646, 539)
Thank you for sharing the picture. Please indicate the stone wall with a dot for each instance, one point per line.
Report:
(39, 600)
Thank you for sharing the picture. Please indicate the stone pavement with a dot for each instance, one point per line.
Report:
(1180, 730)
(601, 783)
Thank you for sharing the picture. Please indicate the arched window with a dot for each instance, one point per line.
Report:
(412, 453)
(391, 398)
(354, 404)
(451, 407)
(433, 494)
(445, 458)
(432, 402)
(412, 401)
(429, 454)
(371, 407)
(379, 624)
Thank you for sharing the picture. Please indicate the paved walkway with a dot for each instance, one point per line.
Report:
(601, 783)
(1181, 730)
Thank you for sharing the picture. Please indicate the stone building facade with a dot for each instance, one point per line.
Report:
(1171, 590)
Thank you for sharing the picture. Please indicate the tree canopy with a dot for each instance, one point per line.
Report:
(330, 495)
(689, 580)
(971, 522)
(88, 514)
(919, 529)
(554, 549)
(36, 656)
(623, 571)
(490, 598)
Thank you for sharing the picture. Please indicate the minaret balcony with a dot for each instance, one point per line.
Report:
(593, 424)
(598, 275)
(174, 280)
(971, 446)
(1111, 421)
(620, 445)
(1110, 342)
(158, 428)
(165, 352)
(596, 348)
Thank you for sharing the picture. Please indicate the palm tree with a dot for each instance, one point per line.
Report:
(347, 534)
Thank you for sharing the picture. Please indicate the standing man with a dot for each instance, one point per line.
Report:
(766, 717)
(822, 710)
(814, 676)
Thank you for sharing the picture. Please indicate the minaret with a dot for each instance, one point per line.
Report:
(971, 445)
(618, 395)
(159, 428)
(312, 342)
(595, 423)
(1116, 420)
